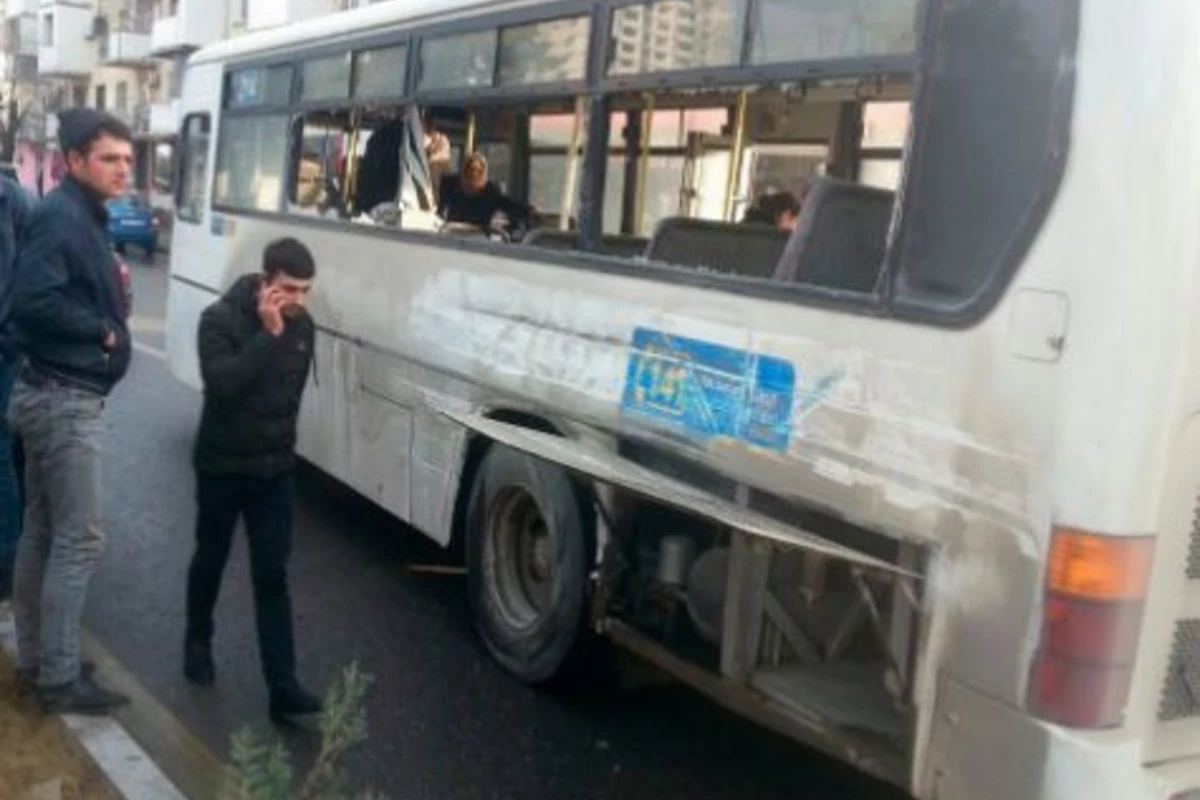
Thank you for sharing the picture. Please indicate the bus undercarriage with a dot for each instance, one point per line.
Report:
(807, 624)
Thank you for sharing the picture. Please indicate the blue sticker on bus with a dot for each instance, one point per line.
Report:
(708, 390)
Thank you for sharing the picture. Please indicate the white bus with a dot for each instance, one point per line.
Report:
(914, 483)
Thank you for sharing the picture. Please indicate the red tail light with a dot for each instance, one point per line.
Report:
(1095, 587)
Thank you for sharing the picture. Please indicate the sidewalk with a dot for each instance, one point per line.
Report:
(37, 759)
(67, 758)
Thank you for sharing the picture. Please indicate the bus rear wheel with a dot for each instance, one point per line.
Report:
(528, 550)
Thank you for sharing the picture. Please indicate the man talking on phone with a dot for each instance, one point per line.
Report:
(255, 347)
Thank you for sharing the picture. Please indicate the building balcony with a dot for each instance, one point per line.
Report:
(195, 24)
(165, 118)
(21, 36)
(124, 49)
(18, 8)
(63, 47)
(261, 16)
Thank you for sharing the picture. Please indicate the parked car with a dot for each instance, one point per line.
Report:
(131, 221)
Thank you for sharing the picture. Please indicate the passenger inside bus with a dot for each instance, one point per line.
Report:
(780, 210)
(310, 182)
(472, 199)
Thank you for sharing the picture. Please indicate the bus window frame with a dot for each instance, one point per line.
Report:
(598, 87)
(295, 147)
(182, 163)
(497, 22)
(228, 112)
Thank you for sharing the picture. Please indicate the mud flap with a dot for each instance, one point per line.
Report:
(593, 461)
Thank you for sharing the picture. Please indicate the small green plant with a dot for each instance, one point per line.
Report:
(262, 770)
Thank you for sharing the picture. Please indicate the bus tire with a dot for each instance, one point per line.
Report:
(529, 548)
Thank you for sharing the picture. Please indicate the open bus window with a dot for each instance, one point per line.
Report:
(885, 132)
(387, 179)
(481, 189)
(320, 160)
(718, 181)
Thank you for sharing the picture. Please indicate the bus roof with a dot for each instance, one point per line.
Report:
(332, 26)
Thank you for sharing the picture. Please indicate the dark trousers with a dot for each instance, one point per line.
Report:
(266, 507)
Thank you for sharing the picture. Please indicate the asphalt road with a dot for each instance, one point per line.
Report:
(445, 722)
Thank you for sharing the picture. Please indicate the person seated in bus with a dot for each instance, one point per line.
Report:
(310, 181)
(470, 198)
(780, 210)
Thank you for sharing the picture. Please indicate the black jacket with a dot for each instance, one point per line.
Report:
(253, 383)
(16, 208)
(456, 204)
(67, 295)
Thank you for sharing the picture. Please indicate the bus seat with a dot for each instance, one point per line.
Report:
(751, 251)
(841, 238)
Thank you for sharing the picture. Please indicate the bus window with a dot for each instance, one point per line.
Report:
(458, 62)
(554, 167)
(325, 78)
(669, 35)
(546, 52)
(251, 161)
(320, 164)
(699, 166)
(674, 160)
(373, 169)
(191, 194)
(380, 72)
(480, 138)
(259, 87)
(885, 131)
(794, 30)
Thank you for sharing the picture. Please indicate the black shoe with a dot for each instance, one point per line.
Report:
(83, 696)
(27, 678)
(198, 665)
(292, 704)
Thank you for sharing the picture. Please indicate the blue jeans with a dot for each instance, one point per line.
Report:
(10, 498)
(61, 428)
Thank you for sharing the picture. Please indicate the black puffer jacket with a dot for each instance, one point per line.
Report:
(253, 383)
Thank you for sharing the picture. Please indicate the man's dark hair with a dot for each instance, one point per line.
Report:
(778, 204)
(80, 129)
(289, 257)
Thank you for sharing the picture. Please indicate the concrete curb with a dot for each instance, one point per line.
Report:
(129, 771)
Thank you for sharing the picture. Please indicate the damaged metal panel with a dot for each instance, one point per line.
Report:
(597, 462)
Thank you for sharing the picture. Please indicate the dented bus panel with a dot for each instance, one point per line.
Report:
(914, 483)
